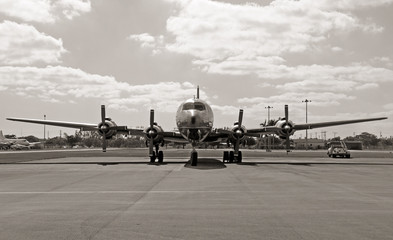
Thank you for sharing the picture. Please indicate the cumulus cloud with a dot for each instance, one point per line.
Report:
(321, 98)
(58, 84)
(212, 30)
(148, 41)
(44, 11)
(24, 44)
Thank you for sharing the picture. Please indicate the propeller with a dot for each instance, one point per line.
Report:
(287, 128)
(151, 132)
(239, 133)
(103, 128)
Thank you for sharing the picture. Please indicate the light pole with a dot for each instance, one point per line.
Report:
(306, 101)
(268, 120)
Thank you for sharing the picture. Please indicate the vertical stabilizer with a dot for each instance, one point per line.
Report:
(1, 135)
(197, 92)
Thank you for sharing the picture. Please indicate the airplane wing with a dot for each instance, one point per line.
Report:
(304, 126)
(81, 126)
(264, 130)
(334, 123)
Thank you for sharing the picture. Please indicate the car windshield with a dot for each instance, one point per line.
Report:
(194, 106)
(336, 146)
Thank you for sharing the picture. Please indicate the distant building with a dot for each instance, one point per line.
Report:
(313, 143)
(352, 145)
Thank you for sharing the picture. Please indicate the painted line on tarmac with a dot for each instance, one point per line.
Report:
(117, 192)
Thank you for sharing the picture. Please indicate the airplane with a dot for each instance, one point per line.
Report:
(16, 144)
(194, 120)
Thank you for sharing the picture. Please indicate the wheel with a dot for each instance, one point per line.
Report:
(334, 156)
(153, 157)
(194, 158)
(239, 157)
(160, 156)
(348, 156)
(231, 156)
(226, 156)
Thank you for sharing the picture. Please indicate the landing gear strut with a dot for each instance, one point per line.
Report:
(231, 157)
(157, 154)
(194, 158)
(194, 155)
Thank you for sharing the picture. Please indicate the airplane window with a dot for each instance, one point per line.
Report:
(199, 106)
(194, 106)
(188, 106)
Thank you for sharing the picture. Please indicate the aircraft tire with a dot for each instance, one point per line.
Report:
(231, 156)
(225, 156)
(239, 157)
(194, 158)
(160, 156)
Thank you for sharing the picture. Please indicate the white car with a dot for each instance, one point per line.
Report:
(338, 150)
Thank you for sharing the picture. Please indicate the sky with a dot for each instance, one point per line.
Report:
(65, 58)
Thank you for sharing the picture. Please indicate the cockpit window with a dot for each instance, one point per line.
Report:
(194, 106)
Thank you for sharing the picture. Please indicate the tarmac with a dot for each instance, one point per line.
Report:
(87, 194)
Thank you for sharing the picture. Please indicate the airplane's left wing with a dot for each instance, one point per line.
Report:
(106, 128)
(81, 126)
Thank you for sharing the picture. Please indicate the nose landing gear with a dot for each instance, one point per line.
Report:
(157, 154)
(231, 156)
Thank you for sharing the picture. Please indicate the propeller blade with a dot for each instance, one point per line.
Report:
(240, 117)
(286, 114)
(151, 127)
(151, 117)
(236, 147)
(102, 113)
(287, 136)
(151, 147)
(104, 131)
(287, 143)
(104, 143)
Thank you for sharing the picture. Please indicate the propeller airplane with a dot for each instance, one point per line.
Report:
(194, 120)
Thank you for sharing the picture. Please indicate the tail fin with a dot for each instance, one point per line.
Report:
(1, 135)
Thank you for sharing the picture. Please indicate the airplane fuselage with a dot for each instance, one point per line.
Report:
(194, 120)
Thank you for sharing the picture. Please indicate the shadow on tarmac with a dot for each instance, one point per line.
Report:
(206, 164)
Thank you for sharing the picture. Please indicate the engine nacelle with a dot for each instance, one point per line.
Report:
(154, 133)
(238, 132)
(106, 127)
(286, 129)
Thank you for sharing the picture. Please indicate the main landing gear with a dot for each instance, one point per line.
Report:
(157, 154)
(194, 158)
(231, 157)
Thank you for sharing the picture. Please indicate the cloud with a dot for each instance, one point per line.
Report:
(61, 84)
(210, 30)
(388, 106)
(346, 4)
(44, 11)
(337, 79)
(24, 44)
(322, 98)
(148, 41)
